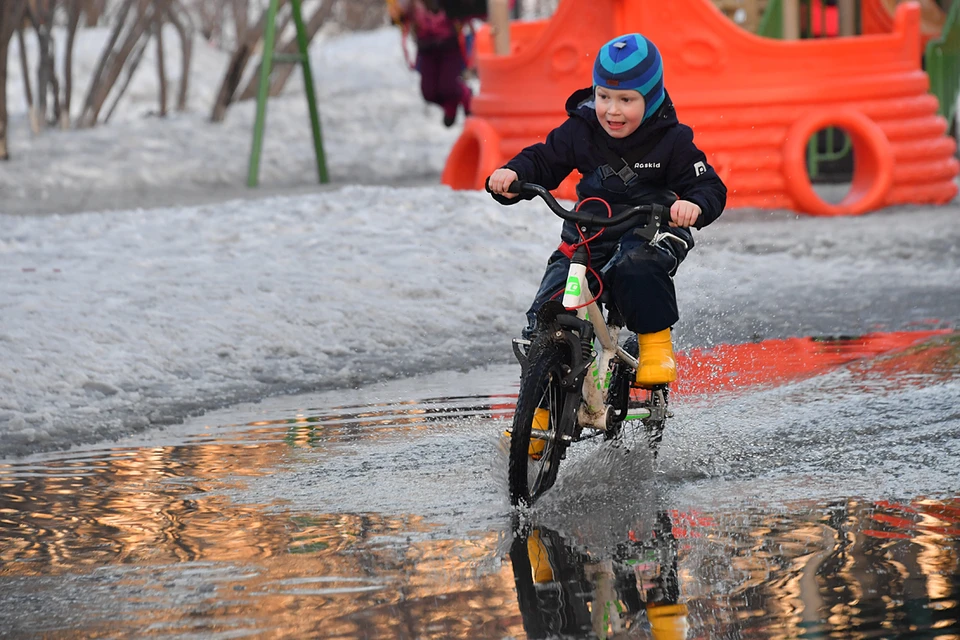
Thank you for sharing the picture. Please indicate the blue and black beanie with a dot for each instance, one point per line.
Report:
(631, 62)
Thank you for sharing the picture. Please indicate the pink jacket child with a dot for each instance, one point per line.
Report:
(440, 59)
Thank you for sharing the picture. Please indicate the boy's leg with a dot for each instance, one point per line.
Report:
(640, 279)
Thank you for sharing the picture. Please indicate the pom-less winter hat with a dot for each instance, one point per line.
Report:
(631, 61)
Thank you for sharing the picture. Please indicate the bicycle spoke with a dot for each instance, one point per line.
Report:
(541, 467)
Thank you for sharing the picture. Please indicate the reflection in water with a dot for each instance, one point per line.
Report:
(825, 571)
(745, 366)
(565, 592)
(154, 541)
(151, 535)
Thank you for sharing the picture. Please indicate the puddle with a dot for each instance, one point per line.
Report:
(823, 502)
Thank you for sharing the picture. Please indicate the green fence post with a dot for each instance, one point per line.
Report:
(263, 90)
(266, 66)
(771, 24)
(942, 61)
(304, 43)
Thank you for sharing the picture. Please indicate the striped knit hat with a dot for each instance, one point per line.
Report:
(631, 62)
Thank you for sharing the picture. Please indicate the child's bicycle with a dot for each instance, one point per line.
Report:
(576, 378)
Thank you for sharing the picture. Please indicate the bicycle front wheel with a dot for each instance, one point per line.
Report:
(539, 424)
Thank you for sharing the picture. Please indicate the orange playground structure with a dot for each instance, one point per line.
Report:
(753, 102)
(876, 16)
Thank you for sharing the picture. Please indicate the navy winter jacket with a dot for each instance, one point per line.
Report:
(673, 164)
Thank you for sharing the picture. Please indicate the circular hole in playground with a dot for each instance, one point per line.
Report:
(830, 161)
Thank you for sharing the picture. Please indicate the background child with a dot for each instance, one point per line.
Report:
(440, 59)
(623, 136)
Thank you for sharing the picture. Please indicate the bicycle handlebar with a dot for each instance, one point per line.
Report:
(657, 212)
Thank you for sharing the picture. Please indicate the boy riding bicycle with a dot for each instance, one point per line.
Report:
(623, 136)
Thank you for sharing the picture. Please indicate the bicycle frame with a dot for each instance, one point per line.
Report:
(594, 409)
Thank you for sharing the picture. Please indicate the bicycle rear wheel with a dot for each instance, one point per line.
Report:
(533, 469)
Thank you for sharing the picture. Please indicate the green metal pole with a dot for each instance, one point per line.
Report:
(813, 154)
(266, 65)
(303, 43)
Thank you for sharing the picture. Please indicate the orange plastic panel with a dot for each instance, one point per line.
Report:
(872, 173)
(753, 102)
(876, 16)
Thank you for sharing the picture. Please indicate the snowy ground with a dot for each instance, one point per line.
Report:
(117, 321)
(376, 130)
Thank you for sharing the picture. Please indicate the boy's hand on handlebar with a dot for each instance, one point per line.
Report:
(500, 180)
(684, 213)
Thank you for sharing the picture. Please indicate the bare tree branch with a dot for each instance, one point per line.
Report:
(73, 21)
(238, 62)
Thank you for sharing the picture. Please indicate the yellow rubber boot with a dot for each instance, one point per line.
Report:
(657, 364)
(541, 422)
(539, 559)
(668, 621)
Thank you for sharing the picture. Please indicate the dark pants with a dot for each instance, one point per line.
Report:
(440, 67)
(637, 275)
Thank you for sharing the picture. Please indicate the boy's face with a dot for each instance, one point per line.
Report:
(620, 111)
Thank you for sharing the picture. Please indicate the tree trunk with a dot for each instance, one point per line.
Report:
(115, 60)
(238, 62)
(180, 19)
(41, 13)
(241, 18)
(93, 9)
(140, 38)
(134, 61)
(130, 44)
(38, 110)
(27, 85)
(54, 83)
(11, 15)
(73, 21)
(97, 80)
(161, 70)
(254, 80)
